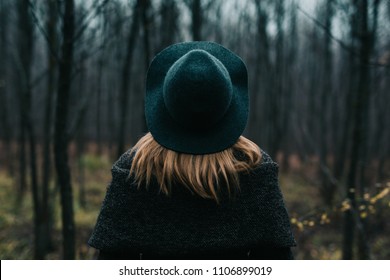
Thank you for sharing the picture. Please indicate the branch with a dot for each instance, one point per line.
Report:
(42, 30)
(84, 26)
(337, 40)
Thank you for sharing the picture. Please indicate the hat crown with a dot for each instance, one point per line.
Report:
(197, 89)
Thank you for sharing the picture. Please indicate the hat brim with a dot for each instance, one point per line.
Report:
(174, 136)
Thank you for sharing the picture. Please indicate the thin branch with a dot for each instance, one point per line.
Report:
(327, 31)
(42, 30)
(337, 40)
(90, 17)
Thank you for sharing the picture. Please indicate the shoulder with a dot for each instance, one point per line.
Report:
(123, 164)
(264, 178)
(265, 158)
(266, 167)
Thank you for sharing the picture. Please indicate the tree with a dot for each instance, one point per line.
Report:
(277, 108)
(25, 57)
(4, 121)
(61, 137)
(52, 46)
(327, 189)
(126, 77)
(292, 45)
(101, 65)
(262, 72)
(168, 25)
(196, 24)
(360, 107)
(146, 25)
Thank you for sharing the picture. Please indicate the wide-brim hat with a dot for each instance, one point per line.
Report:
(196, 98)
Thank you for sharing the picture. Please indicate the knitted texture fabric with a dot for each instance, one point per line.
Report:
(145, 220)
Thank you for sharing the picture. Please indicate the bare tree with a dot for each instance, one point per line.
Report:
(276, 106)
(4, 122)
(147, 20)
(61, 138)
(25, 58)
(52, 45)
(196, 25)
(168, 26)
(100, 76)
(292, 45)
(360, 105)
(262, 72)
(80, 139)
(126, 77)
(327, 189)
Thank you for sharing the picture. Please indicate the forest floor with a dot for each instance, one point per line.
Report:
(317, 229)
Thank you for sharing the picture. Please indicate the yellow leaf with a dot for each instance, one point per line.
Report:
(345, 206)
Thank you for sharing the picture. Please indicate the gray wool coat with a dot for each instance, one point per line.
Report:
(143, 223)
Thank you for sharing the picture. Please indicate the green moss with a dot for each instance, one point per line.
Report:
(94, 163)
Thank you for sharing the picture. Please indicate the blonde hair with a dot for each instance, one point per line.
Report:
(203, 175)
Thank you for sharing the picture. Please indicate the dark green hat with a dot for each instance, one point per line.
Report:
(196, 98)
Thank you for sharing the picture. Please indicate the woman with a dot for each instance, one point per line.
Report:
(193, 187)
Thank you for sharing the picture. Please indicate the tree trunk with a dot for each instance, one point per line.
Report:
(126, 78)
(22, 156)
(98, 106)
(327, 189)
(60, 134)
(81, 168)
(146, 19)
(275, 117)
(290, 86)
(80, 141)
(25, 53)
(168, 29)
(263, 68)
(48, 121)
(366, 46)
(101, 65)
(145, 28)
(4, 122)
(358, 133)
(196, 26)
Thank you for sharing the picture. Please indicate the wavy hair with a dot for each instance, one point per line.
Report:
(205, 175)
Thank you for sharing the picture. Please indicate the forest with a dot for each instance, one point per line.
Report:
(72, 78)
